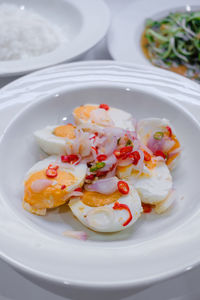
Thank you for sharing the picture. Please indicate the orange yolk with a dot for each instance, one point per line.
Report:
(67, 131)
(95, 199)
(51, 196)
(176, 146)
(83, 112)
(150, 164)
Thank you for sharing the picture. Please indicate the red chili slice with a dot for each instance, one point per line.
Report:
(120, 206)
(160, 153)
(51, 173)
(117, 154)
(63, 187)
(169, 130)
(79, 189)
(123, 187)
(135, 156)
(147, 156)
(95, 149)
(101, 157)
(90, 177)
(126, 149)
(53, 167)
(104, 106)
(72, 158)
(147, 208)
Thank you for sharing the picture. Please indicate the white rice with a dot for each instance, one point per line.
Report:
(25, 34)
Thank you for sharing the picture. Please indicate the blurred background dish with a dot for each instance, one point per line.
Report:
(64, 31)
(142, 34)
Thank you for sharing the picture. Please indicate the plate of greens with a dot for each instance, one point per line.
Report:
(166, 35)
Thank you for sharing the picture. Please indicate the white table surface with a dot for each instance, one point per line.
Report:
(15, 286)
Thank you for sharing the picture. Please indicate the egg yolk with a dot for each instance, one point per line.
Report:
(95, 199)
(83, 112)
(67, 131)
(176, 146)
(51, 196)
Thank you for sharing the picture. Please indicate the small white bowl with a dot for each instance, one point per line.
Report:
(84, 24)
(155, 248)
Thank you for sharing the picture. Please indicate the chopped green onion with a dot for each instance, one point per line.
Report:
(158, 135)
(97, 166)
(175, 41)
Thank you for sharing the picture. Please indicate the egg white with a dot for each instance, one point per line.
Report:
(105, 218)
(50, 143)
(153, 185)
(119, 117)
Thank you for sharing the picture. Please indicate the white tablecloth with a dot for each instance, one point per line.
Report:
(15, 286)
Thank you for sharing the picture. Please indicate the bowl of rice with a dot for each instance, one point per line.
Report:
(38, 34)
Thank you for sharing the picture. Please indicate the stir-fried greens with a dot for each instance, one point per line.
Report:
(175, 41)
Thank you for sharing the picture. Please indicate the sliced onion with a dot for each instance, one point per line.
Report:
(103, 186)
(155, 145)
(140, 165)
(101, 117)
(114, 132)
(80, 235)
(124, 162)
(111, 173)
(167, 145)
(109, 162)
(40, 184)
(174, 152)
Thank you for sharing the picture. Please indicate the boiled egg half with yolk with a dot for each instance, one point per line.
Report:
(107, 213)
(159, 136)
(92, 117)
(154, 184)
(54, 139)
(45, 189)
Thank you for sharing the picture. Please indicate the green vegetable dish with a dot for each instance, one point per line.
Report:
(174, 43)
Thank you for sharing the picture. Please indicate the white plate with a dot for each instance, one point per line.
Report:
(79, 21)
(145, 254)
(127, 27)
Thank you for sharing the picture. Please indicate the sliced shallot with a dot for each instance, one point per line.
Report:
(40, 184)
(103, 186)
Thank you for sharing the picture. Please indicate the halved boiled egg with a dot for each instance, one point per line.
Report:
(158, 135)
(92, 117)
(54, 139)
(49, 182)
(153, 184)
(107, 213)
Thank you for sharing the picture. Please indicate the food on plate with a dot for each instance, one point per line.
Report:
(92, 117)
(159, 136)
(173, 43)
(55, 139)
(107, 212)
(108, 168)
(25, 34)
(50, 183)
(154, 184)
